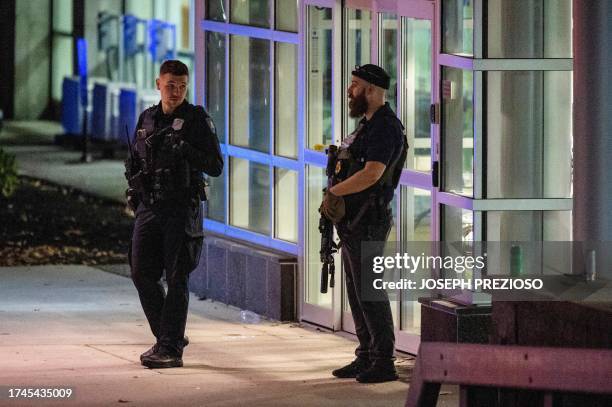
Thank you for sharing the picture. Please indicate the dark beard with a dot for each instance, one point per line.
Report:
(358, 106)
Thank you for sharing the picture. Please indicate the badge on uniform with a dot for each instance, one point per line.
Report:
(177, 124)
(338, 167)
(141, 134)
(211, 125)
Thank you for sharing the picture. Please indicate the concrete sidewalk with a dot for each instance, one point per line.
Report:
(60, 165)
(83, 328)
(32, 144)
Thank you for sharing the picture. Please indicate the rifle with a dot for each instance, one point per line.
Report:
(326, 228)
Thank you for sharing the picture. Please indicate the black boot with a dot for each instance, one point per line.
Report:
(351, 370)
(155, 348)
(163, 359)
(380, 371)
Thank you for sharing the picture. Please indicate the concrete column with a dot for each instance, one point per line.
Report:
(592, 215)
(32, 58)
(592, 121)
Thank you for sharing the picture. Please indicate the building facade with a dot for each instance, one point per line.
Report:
(484, 88)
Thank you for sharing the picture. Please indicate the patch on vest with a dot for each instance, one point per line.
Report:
(211, 125)
(177, 124)
(338, 167)
(141, 134)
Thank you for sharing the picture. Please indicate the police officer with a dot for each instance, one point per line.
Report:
(369, 164)
(175, 142)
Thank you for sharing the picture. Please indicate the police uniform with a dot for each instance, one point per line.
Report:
(170, 153)
(368, 218)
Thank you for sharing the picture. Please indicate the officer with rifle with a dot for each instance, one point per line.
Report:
(175, 143)
(367, 169)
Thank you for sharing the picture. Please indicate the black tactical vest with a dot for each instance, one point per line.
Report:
(167, 176)
(352, 158)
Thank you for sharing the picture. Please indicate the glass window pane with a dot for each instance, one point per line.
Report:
(286, 100)
(250, 195)
(416, 214)
(286, 204)
(388, 53)
(458, 27)
(529, 134)
(216, 196)
(215, 10)
(358, 43)
(505, 226)
(251, 12)
(250, 93)
(457, 131)
(62, 15)
(416, 38)
(524, 229)
(457, 224)
(62, 64)
(529, 29)
(315, 181)
(215, 81)
(319, 48)
(287, 15)
(415, 226)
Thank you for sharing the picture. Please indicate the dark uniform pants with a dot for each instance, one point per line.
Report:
(160, 242)
(372, 312)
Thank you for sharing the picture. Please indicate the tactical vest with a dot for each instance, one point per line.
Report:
(167, 176)
(351, 159)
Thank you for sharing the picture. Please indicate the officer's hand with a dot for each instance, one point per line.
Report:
(332, 207)
(132, 199)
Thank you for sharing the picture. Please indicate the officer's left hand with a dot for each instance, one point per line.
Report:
(332, 207)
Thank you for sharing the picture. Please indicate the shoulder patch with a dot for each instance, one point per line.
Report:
(211, 124)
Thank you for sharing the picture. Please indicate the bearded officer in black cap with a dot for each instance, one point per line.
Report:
(369, 165)
(175, 143)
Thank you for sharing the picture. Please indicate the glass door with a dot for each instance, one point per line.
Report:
(418, 217)
(321, 71)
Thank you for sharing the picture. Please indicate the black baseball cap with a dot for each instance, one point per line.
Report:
(373, 74)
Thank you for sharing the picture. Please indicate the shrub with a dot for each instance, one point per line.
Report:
(8, 174)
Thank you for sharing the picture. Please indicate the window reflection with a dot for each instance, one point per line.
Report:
(388, 51)
(529, 136)
(457, 131)
(251, 12)
(358, 42)
(319, 72)
(286, 205)
(215, 81)
(534, 29)
(458, 27)
(286, 114)
(216, 196)
(250, 93)
(417, 72)
(250, 195)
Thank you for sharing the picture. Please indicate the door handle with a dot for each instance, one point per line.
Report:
(435, 174)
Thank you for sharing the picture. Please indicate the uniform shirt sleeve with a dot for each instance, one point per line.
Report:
(203, 151)
(380, 145)
(133, 160)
